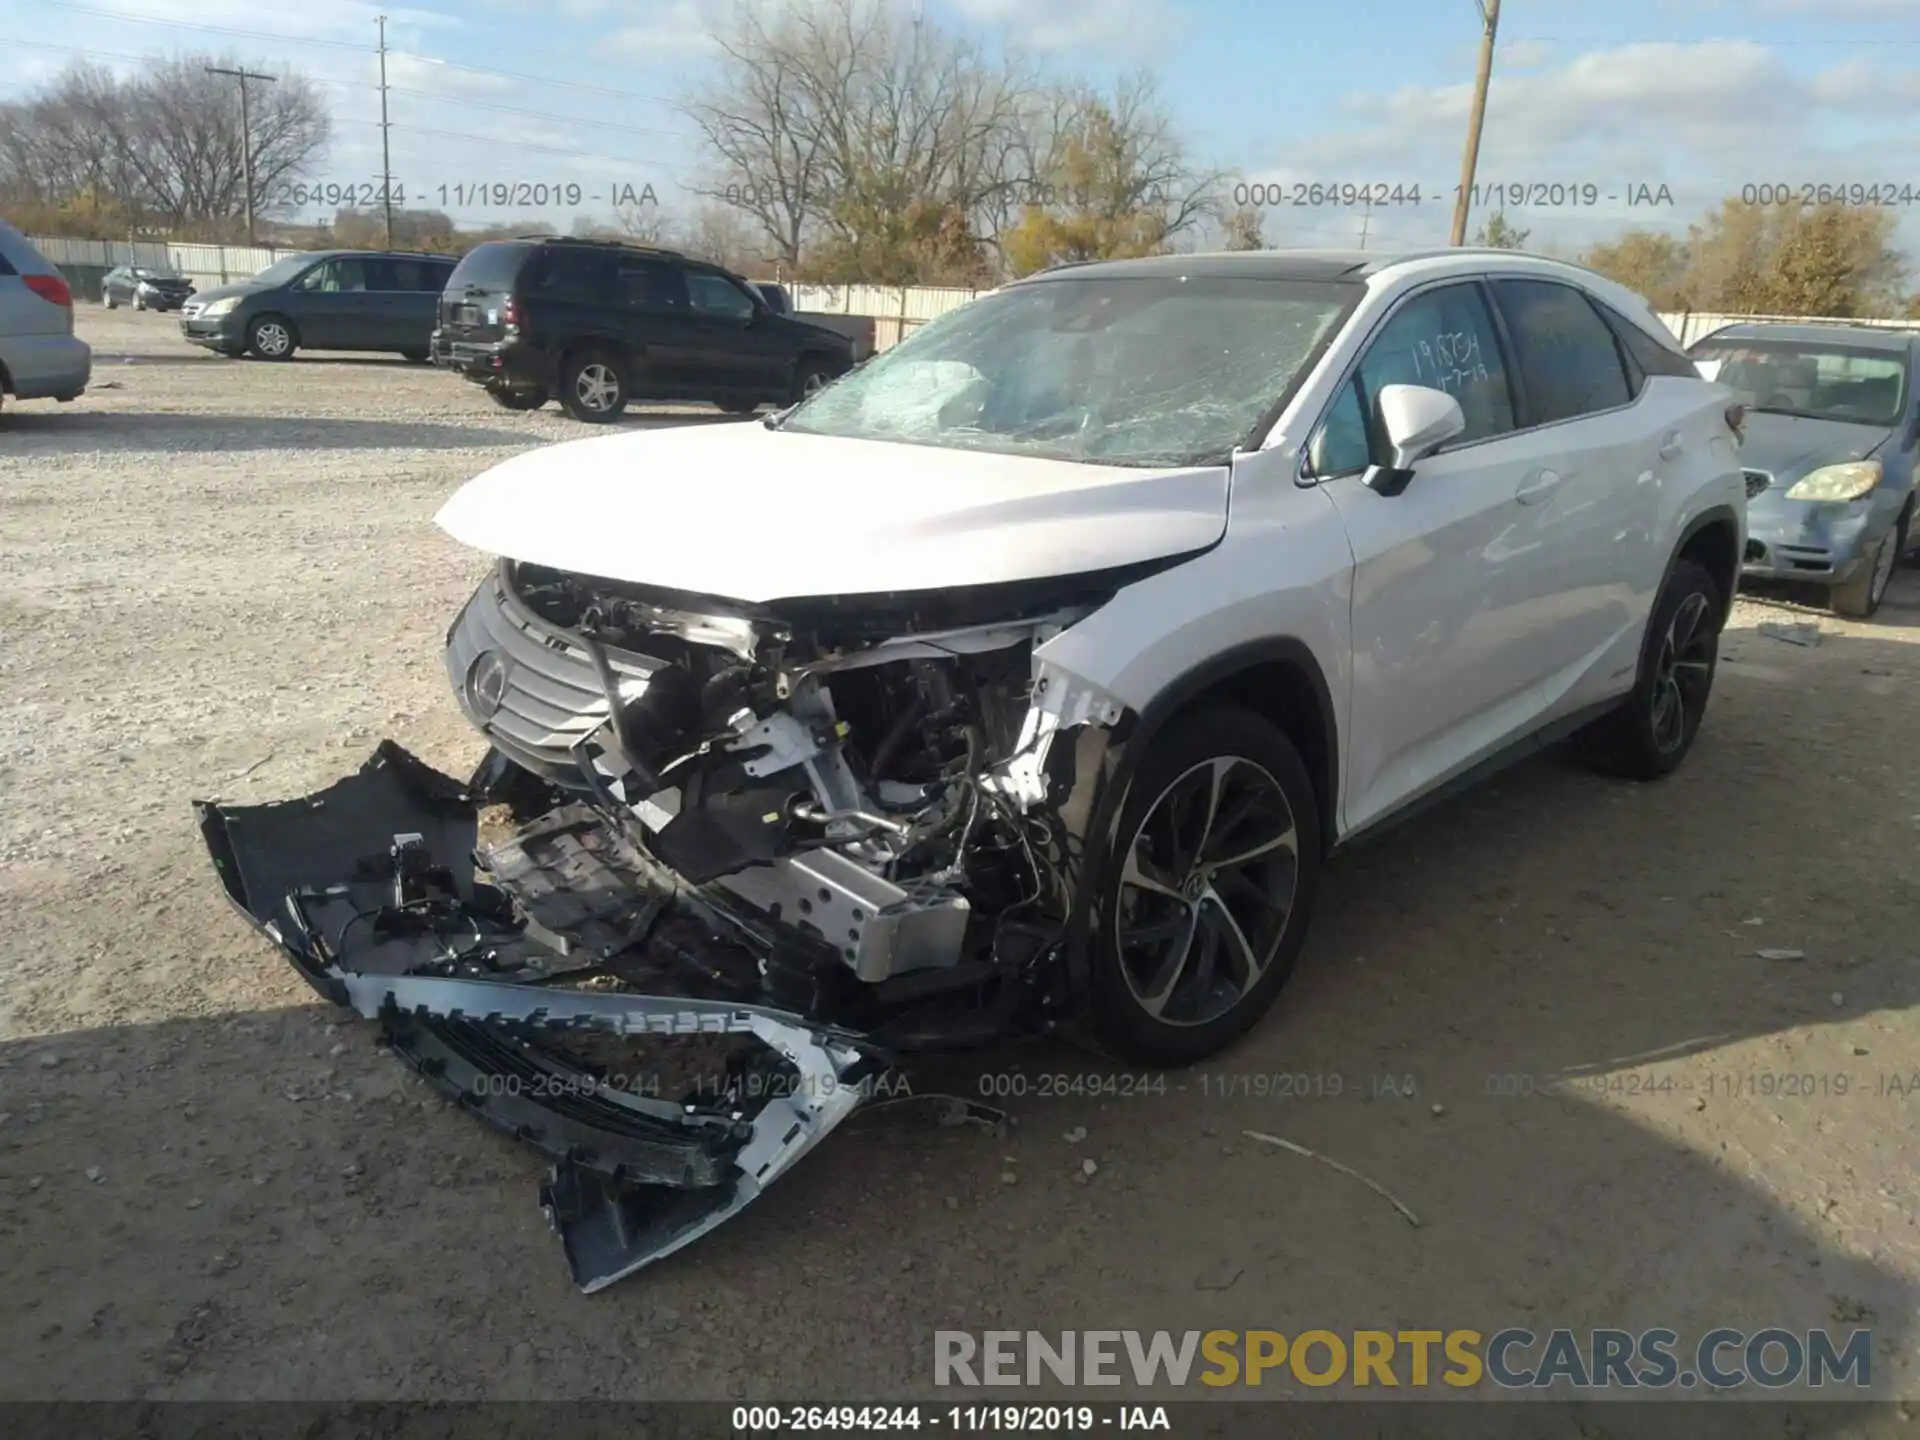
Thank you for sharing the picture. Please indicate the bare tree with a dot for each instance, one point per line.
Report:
(834, 118)
(163, 147)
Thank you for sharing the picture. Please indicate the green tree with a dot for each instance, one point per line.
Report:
(1498, 233)
(1647, 262)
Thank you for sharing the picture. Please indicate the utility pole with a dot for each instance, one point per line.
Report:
(386, 154)
(246, 131)
(1366, 220)
(1490, 22)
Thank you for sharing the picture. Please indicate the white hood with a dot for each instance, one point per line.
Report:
(744, 512)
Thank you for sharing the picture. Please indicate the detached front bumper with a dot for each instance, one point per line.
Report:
(470, 961)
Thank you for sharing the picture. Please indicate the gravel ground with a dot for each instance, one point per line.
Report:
(219, 578)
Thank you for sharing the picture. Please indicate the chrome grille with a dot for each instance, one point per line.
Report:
(1757, 480)
(550, 696)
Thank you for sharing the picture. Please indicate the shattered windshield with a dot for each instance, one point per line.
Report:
(1113, 371)
(1813, 381)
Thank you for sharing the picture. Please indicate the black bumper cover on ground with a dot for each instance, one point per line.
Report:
(371, 887)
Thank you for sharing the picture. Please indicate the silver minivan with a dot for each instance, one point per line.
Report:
(40, 357)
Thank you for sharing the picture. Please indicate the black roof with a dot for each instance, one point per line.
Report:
(385, 254)
(1351, 265)
(1857, 337)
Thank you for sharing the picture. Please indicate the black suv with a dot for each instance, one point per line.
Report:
(598, 322)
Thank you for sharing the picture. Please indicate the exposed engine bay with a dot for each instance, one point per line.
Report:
(753, 857)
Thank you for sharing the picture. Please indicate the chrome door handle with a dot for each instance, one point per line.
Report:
(1536, 485)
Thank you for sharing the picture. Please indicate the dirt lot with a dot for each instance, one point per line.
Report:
(220, 578)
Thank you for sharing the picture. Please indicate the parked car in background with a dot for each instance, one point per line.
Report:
(1832, 431)
(144, 288)
(330, 300)
(598, 323)
(40, 356)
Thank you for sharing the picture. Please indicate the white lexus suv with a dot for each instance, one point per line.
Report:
(1023, 677)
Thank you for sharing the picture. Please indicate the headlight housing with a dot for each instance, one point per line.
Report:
(216, 308)
(1851, 481)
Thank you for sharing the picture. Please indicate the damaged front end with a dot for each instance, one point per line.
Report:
(761, 853)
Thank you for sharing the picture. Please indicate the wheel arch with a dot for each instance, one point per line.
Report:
(1278, 678)
(1712, 539)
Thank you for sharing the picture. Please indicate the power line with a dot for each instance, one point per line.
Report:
(283, 38)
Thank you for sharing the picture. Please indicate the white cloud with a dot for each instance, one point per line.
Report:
(1113, 29)
(665, 31)
(1702, 119)
(1845, 9)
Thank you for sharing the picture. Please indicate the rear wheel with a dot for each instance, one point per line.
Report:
(738, 407)
(509, 399)
(1651, 733)
(593, 386)
(1859, 599)
(1207, 894)
(271, 337)
(416, 355)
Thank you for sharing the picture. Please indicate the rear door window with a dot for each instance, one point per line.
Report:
(565, 272)
(652, 286)
(1564, 349)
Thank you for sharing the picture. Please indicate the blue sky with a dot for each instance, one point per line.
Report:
(1701, 96)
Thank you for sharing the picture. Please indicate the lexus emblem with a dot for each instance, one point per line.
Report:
(487, 682)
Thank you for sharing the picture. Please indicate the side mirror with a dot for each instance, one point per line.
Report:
(1416, 420)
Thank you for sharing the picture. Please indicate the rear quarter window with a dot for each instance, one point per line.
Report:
(492, 266)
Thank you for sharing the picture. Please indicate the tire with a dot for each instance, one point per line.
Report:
(809, 374)
(738, 407)
(416, 356)
(1861, 597)
(138, 303)
(517, 399)
(1646, 739)
(106, 299)
(593, 386)
(272, 337)
(1182, 987)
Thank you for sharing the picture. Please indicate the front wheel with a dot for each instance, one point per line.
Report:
(271, 338)
(108, 300)
(593, 387)
(1859, 599)
(415, 356)
(808, 376)
(1205, 901)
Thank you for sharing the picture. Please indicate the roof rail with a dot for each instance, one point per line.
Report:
(610, 244)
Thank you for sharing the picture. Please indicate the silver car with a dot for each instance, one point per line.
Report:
(1832, 435)
(40, 357)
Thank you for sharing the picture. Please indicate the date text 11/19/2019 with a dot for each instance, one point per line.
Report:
(462, 194)
(1521, 195)
(961, 1419)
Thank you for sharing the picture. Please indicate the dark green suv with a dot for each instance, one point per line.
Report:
(597, 322)
(329, 300)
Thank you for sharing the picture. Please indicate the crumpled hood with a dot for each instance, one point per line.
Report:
(737, 510)
(1788, 446)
